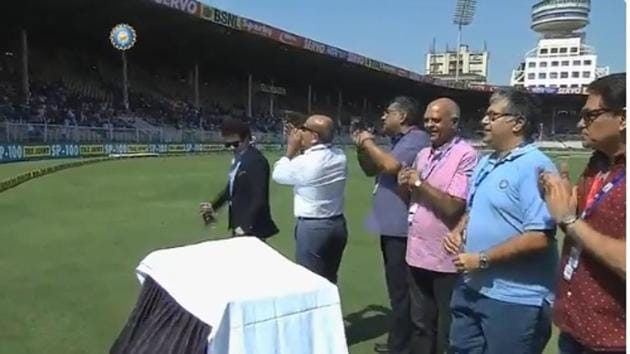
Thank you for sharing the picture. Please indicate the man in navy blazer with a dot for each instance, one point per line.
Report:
(247, 190)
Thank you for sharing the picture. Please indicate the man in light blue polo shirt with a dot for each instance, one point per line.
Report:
(509, 255)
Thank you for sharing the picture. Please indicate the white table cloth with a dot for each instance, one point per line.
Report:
(255, 299)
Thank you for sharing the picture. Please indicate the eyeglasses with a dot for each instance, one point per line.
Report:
(232, 144)
(589, 116)
(307, 129)
(390, 111)
(495, 116)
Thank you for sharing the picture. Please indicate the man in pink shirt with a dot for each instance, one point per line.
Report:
(438, 185)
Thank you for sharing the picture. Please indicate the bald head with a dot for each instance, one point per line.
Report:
(322, 125)
(445, 107)
(440, 120)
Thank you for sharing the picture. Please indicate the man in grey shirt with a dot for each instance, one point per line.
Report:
(390, 209)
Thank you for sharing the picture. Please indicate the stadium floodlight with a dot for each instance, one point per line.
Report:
(464, 13)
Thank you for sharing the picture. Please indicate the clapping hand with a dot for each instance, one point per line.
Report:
(294, 141)
(453, 242)
(407, 176)
(467, 262)
(559, 193)
(361, 136)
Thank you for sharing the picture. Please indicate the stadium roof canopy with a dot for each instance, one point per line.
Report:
(182, 33)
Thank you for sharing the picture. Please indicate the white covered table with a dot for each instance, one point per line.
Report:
(253, 299)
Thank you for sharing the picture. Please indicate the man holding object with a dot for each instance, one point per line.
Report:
(247, 191)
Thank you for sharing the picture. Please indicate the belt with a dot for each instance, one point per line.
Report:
(324, 218)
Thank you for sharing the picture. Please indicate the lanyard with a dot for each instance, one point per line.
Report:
(599, 197)
(434, 161)
(576, 251)
(438, 159)
(485, 172)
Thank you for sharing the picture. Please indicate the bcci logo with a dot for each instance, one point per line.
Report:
(123, 37)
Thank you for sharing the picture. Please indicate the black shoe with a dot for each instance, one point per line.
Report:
(381, 348)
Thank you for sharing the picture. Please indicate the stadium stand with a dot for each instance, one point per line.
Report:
(75, 83)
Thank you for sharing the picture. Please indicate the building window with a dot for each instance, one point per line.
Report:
(553, 85)
(575, 74)
(575, 85)
(543, 64)
(563, 50)
(554, 50)
(531, 64)
(531, 76)
(554, 63)
(586, 74)
(587, 62)
(563, 86)
(541, 85)
(553, 75)
(577, 62)
(543, 51)
(542, 75)
(564, 75)
(574, 50)
(565, 63)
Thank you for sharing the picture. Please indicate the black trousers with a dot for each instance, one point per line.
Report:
(394, 250)
(430, 301)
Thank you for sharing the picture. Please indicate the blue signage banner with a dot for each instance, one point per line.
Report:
(15, 152)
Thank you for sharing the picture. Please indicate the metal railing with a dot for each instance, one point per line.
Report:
(30, 133)
(11, 132)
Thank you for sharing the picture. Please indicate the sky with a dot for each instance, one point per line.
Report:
(400, 32)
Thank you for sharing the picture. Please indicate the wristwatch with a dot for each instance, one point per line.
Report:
(568, 220)
(483, 260)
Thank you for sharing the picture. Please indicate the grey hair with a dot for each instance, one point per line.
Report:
(410, 107)
(521, 104)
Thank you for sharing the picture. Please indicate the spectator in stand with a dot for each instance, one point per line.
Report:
(590, 303)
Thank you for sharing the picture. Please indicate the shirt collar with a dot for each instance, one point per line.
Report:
(447, 145)
(396, 138)
(602, 161)
(317, 147)
(517, 152)
(239, 154)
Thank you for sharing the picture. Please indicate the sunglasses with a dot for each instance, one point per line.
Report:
(232, 144)
(588, 115)
(307, 129)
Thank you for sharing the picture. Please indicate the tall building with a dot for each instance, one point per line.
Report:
(473, 65)
(561, 62)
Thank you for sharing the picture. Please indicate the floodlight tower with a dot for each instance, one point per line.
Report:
(464, 13)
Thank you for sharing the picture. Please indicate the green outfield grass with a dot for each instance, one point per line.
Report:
(71, 241)
(13, 169)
